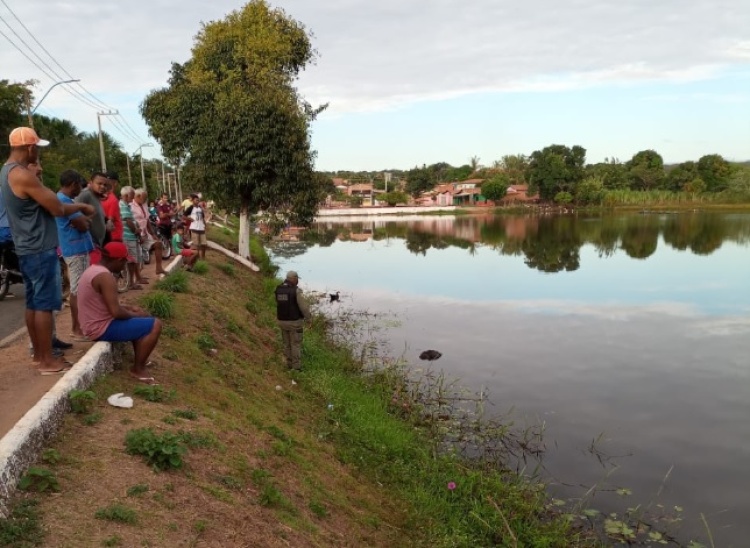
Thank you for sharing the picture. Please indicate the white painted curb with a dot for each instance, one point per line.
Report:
(251, 265)
(22, 445)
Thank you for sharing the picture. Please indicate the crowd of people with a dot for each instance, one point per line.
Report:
(100, 231)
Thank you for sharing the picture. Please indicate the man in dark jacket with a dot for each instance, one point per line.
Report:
(292, 311)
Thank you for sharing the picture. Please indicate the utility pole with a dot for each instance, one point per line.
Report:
(27, 97)
(163, 178)
(101, 139)
(127, 159)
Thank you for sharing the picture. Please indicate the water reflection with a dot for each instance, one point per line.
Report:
(642, 333)
(547, 243)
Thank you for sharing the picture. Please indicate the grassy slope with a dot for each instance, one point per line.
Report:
(323, 462)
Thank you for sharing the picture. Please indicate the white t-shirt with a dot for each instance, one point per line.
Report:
(199, 222)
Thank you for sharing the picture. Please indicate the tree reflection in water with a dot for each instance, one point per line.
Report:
(548, 243)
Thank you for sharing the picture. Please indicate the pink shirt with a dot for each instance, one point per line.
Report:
(141, 216)
(92, 310)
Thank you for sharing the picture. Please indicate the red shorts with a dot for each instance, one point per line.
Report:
(187, 253)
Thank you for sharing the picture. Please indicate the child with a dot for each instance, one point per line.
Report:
(181, 248)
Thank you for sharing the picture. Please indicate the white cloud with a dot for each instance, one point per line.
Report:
(380, 55)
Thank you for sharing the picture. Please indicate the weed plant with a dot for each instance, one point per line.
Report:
(23, 526)
(154, 393)
(200, 267)
(159, 304)
(205, 341)
(119, 513)
(188, 414)
(81, 401)
(162, 452)
(39, 480)
(137, 490)
(227, 268)
(176, 282)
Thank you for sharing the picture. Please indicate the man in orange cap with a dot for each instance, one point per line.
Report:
(31, 210)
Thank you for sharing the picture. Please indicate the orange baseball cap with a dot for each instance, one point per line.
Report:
(26, 136)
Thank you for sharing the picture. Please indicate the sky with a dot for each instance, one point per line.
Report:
(425, 81)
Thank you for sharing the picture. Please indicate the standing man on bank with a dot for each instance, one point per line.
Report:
(75, 240)
(292, 312)
(31, 209)
(93, 195)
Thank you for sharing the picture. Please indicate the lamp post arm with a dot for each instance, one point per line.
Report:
(53, 86)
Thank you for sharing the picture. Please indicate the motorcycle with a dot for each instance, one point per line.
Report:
(9, 273)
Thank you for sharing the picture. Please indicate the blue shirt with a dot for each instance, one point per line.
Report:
(72, 242)
(4, 222)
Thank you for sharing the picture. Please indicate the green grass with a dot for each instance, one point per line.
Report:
(227, 268)
(159, 304)
(200, 267)
(176, 282)
(391, 451)
(23, 526)
(117, 512)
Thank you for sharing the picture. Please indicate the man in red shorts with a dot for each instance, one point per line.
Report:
(103, 318)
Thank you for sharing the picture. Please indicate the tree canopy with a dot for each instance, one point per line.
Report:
(556, 168)
(232, 111)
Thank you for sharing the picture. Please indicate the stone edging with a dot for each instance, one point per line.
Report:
(22, 445)
(251, 265)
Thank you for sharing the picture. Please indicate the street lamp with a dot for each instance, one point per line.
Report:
(53, 86)
(139, 151)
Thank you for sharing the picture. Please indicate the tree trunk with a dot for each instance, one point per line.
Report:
(244, 244)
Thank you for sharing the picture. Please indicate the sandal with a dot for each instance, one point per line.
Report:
(57, 372)
(145, 380)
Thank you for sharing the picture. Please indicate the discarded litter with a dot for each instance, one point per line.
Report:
(278, 387)
(120, 400)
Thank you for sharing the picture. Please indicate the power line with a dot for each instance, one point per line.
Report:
(93, 102)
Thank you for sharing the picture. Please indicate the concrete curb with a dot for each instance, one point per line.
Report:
(251, 265)
(13, 337)
(22, 445)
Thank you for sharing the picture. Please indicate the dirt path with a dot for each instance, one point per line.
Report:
(21, 386)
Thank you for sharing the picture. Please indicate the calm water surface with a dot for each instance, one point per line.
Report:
(634, 326)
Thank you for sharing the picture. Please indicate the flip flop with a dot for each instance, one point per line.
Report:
(145, 380)
(58, 372)
(78, 338)
(135, 287)
(144, 282)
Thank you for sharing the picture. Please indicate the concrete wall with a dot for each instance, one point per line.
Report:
(347, 211)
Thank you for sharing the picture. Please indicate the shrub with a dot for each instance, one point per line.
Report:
(563, 198)
(159, 304)
(39, 480)
(161, 452)
(81, 401)
(51, 456)
(137, 490)
(177, 282)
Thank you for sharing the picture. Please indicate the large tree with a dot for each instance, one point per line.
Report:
(233, 112)
(496, 187)
(646, 170)
(11, 108)
(715, 171)
(419, 180)
(556, 168)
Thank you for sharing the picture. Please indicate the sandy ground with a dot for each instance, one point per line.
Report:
(21, 386)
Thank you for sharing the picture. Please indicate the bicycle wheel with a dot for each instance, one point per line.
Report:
(4, 279)
(123, 281)
(166, 248)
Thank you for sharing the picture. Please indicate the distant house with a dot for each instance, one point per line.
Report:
(469, 197)
(519, 193)
(444, 194)
(364, 191)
